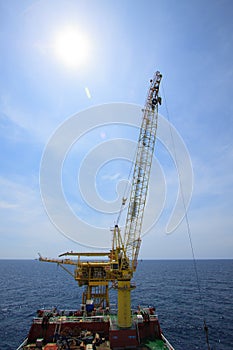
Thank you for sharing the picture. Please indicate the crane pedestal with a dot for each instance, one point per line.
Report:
(124, 304)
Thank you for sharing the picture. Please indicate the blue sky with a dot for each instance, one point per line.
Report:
(190, 42)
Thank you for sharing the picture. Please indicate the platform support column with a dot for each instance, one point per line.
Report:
(124, 304)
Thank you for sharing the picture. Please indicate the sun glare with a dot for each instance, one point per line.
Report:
(72, 47)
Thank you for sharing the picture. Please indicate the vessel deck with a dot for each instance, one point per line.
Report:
(56, 331)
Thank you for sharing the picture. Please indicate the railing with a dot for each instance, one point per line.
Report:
(22, 345)
(167, 343)
(100, 316)
(69, 319)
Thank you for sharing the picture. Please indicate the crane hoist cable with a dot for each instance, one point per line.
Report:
(205, 326)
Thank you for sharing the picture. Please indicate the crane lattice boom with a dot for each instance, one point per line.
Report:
(145, 150)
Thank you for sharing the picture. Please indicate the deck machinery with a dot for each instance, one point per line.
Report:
(118, 265)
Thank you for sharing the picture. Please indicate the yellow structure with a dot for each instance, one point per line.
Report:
(121, 261)
(124, 304)
(131, 242)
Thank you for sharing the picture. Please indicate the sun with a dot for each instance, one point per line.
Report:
(71, 46)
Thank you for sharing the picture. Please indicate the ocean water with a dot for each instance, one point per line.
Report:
(171, 286)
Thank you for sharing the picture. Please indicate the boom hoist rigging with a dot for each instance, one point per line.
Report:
(121, 262)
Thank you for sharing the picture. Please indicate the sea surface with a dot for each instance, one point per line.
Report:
(171, 286)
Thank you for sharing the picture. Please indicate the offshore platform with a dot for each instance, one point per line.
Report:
(95, 325)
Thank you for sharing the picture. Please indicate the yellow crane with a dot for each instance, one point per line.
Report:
(121, 261)
(130, 245)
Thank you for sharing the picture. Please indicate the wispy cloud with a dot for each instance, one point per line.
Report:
(22, 201)
(111, 177)
(7, 205)
(22, 124)
(213, 177)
